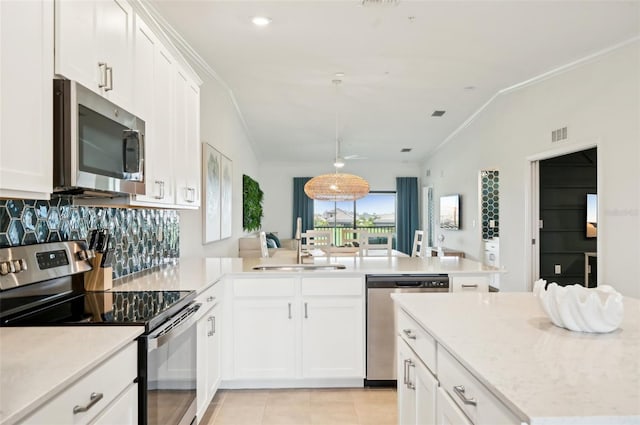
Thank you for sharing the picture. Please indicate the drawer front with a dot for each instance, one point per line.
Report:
(471, 396)
(470, 283)
(105, 383)
(332, 286)
(418, 339)
(211, 296)
(267, 287)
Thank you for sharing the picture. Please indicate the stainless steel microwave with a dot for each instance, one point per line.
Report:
(98, 147)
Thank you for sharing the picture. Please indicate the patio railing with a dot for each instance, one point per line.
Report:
(337, 232)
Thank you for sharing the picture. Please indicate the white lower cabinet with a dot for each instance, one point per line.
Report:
(106, 395)
(208, 351)
(448, 412)
(264, 338)
(416, 388)
(293, 329)
(434, 387)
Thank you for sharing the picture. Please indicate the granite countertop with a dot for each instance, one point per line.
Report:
(36, 363)
(199, 273)
(543, 373)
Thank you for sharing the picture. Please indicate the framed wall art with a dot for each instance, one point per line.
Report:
(225, 198)
(211, 212)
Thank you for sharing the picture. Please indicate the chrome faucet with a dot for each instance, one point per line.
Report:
(298, 239)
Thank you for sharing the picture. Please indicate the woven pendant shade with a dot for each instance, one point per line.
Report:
(336, 187)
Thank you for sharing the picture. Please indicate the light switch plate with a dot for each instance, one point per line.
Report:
(557, 269)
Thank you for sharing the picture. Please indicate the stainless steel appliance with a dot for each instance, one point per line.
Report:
(98, 147)
(381, 320)
(43, 285)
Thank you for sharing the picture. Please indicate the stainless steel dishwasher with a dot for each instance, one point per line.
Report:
(381, 320)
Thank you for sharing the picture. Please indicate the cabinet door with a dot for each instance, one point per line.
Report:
(153, 91)
(75, 42)
(114, 29)
(447, 411)
(26, 115)
(123, 410)
(426, 390)
(332, 337)
(202, 364)
(187, 145)
(264, 338)
(406, 388)
(213, 358)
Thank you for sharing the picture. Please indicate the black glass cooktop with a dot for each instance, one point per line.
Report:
(147, 308)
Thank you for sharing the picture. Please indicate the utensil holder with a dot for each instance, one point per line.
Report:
(99, 278)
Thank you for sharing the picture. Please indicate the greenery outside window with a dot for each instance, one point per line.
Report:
(374, 213)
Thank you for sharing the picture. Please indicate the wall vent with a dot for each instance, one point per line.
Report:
(405, 150)
(559, 135)
(438, 113)
(380, 2)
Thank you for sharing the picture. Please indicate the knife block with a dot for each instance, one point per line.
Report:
(98, 279)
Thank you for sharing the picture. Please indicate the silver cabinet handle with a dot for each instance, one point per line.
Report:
(93, 399)
(475, 285)
(103, 74)
(409, 333)
(289, 310)
(109, 75)
(212, 319)
(160, 184)
(459, 390)
(405, 379)
(410, 384)
(306, 312)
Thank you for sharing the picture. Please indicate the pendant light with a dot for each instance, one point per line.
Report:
(337, 186)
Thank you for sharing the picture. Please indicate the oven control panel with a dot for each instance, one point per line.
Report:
(27, 264)
(47, 260)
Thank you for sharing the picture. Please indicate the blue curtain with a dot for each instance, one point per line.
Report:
(302, 205)
(407, 221)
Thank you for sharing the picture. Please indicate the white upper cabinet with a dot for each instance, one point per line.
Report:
(26, 93)
(187, 141)
(94, 45)
(153, 95)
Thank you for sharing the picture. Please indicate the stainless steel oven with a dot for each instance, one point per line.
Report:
(43, 285)
(167, 365)
(98, 146)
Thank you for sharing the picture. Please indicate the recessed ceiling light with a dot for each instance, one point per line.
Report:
(339, 74)
(438, 113)
(261, 21)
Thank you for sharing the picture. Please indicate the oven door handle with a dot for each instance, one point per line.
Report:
(176, 326)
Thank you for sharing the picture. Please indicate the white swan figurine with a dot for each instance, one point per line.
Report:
(577, 308)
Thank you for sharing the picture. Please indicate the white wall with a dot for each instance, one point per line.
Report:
(221, 128)
(599, 101)
(276, 180)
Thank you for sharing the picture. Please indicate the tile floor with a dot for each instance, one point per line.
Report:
(368, 406)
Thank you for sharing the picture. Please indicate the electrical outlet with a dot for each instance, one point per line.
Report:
(492, 224)
(557, 269)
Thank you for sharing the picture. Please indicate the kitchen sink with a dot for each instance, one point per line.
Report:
(299, 267)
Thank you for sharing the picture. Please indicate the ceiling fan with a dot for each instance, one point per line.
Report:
(340, 160)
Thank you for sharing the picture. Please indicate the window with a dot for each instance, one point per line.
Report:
(376, 212)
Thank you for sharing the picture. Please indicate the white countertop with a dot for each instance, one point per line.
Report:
(199, 273)
(36, 363)
(548, 374)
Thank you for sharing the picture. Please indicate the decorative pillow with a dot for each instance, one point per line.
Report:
(275, 240)
(271, 243)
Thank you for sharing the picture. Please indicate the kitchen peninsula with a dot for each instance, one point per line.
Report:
(508, 360)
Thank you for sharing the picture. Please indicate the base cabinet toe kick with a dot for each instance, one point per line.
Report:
(434, 388)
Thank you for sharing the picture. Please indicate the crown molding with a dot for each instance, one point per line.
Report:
(532, 81)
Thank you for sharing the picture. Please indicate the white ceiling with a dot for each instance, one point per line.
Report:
(401, 63)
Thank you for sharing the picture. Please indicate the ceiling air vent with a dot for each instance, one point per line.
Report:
(405, 150)
(559, 135)
(380, 2)
(438, 113)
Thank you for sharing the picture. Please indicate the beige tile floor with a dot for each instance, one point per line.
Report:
(366, 406)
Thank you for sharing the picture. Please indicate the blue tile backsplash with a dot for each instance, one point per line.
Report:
(141, 238)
